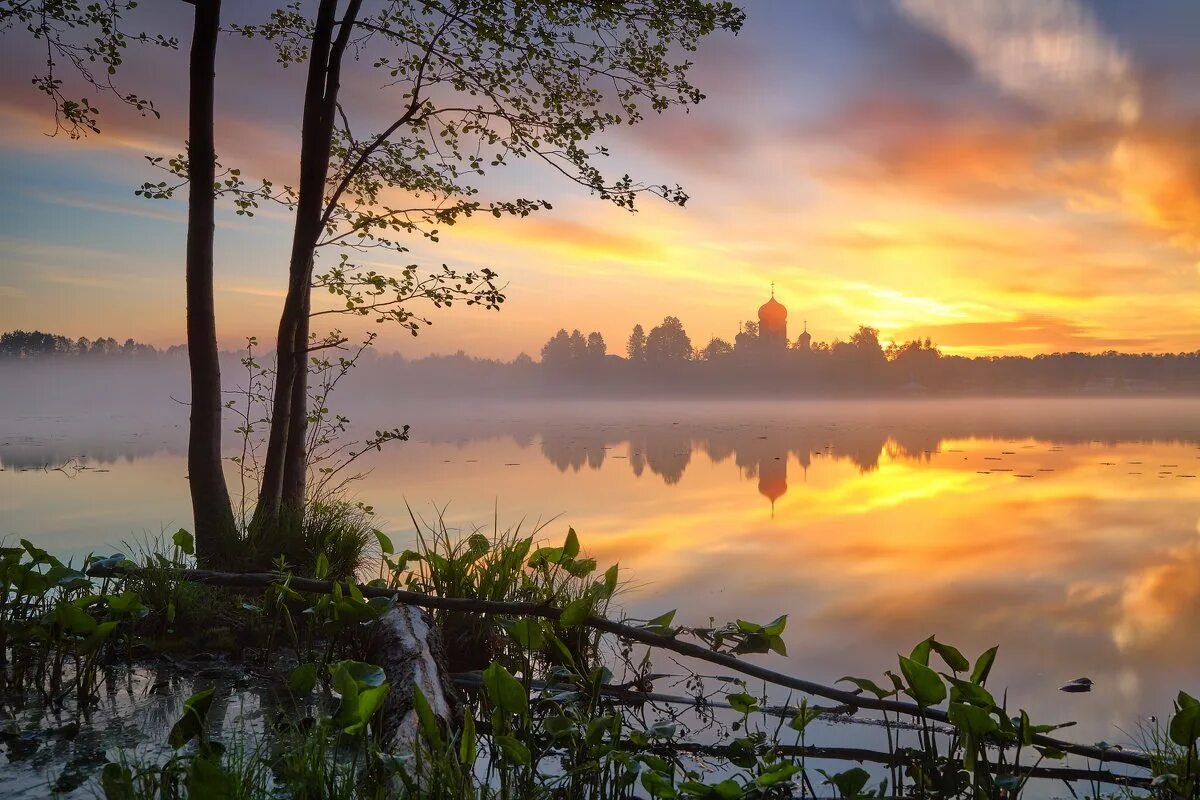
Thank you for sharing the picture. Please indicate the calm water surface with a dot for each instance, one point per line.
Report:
(1065, 531)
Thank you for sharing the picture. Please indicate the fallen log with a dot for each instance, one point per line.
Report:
(408, 648)
(262, 580)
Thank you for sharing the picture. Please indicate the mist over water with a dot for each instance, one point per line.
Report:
(1064, 530)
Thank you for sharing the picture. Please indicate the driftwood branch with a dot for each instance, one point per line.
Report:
(262, 580)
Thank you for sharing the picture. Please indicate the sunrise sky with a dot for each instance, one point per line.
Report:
(1002, 176)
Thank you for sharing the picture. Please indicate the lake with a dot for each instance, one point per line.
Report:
(1065, 531)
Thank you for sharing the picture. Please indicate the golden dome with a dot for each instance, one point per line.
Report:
(772, 313)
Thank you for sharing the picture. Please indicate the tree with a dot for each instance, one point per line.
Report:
(635, 348)
(90, 37)
(715, 349)
(557, 350)
(65, 28)
(482, 83)
(212, 510)
(596, 348)
(668, 342)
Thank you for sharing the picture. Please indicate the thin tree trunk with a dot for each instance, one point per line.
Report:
(211, 507)
(284, 469)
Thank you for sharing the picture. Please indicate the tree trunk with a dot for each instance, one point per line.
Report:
(213, 513)
(283, 487)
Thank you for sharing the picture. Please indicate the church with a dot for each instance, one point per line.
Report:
(772, 326)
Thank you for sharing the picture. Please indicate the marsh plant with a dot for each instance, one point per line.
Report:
(552, 702)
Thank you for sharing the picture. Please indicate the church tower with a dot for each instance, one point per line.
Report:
(772, 323)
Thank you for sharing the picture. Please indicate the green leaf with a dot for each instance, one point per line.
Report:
(468, 745)
(427, 719)
(775, 627)
(806, 715)
(983, 666)
(610, 581)
(184, 541)
(97, 638)
(571, 547)
(661, 623)
(920, 653)
(117, 782)
(74, 619)
(208, 779)
(505, 691)
(972, 720)
(527, 633)
(514, 750)
(385, 544)
(321, 569)
(954, 659)
(125, 603)
(544, 556)
(969, 692)
(923, 683)
(658, 785)
(303, 679)
(777, 773)
(191, 724)
(866, 685)
(1184, 727)
(742, 703)
(576, 612)
(849, 783)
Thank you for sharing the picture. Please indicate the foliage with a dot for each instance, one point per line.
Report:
(91, 39)
(547, 716)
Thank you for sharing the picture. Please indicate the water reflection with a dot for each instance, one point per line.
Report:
(1065, 532)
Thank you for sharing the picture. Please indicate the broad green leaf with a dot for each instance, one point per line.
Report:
(742, 703)
(93, 642)
(658, 785)
(576, 612)
(571, 547)
(1184, 728)
(468, 746)
(321, 569)
(184, 541)
(849, 783)
(969, 692)
(954, 659)
(385, 544)
(777, 773)
(983, 665)
(207, 778)
(972, 720)
(804, 716)
(924, 684)
(505, 691)
(866, 685)
(74, 619)
(514, 750)
(117, 782)
(427, 719)
(610, 581)
(920, 653)
(303, 679)
(527, 632)
(191, 724)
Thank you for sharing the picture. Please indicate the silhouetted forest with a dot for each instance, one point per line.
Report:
(664, 362)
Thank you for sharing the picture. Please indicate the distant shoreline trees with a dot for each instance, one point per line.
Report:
(577, 363)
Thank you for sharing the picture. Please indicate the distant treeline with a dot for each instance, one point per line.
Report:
(36, 344)
(663, 362)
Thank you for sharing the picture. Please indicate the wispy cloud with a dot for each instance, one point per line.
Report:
(1050, 53)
